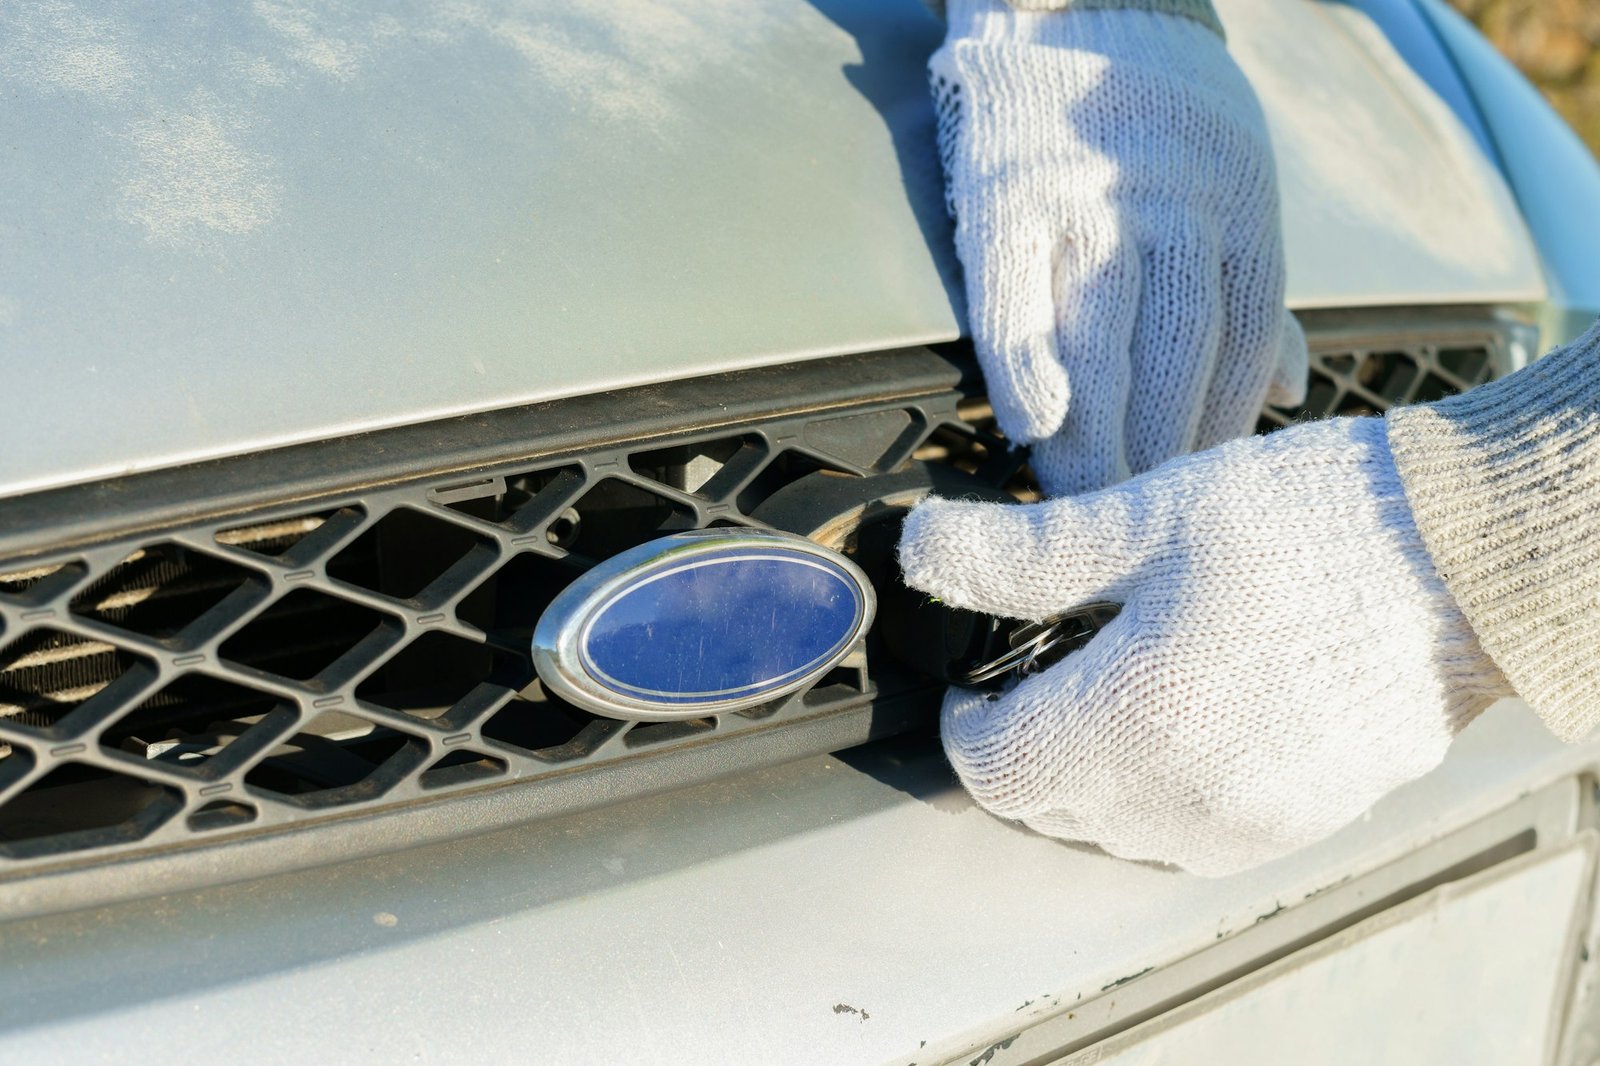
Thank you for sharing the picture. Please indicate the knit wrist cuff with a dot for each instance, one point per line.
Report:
(1199, 10)
(1504, 482)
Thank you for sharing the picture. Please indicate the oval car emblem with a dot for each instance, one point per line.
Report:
(701, 622)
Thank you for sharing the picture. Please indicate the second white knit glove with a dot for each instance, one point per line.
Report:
(1117, 217)
(1286, 653)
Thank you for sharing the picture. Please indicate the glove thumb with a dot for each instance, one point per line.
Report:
(1024, 562)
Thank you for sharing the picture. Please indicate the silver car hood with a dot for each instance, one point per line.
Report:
(227, 228)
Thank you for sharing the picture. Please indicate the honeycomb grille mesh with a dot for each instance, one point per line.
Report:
(370, 650)
(373, 650)
(1371, 380)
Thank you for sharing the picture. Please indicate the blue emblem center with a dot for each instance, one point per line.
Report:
(721, 627)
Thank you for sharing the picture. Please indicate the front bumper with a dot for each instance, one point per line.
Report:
(851, 908)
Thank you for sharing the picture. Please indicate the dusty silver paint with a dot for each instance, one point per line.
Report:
(1387, 196)
(1555, 176)
(226, 228)
(1513, 929)
(833, 910)
(230, 226)
(1414, 38)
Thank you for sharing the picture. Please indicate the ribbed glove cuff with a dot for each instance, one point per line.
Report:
(1504, 483)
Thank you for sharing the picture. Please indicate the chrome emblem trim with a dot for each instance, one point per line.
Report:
(702, 622)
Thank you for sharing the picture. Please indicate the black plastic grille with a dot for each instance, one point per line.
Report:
(1356, 374)
(368, 650)
(374, 649)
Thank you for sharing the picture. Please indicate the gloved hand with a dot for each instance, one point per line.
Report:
(1117, 216)
(1285, 656)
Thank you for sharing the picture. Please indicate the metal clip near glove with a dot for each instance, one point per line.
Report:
(1117, 216)
(1286, 653)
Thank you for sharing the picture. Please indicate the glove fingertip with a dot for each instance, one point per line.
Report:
(1291, 376)
(932, 542)
(1030, 405)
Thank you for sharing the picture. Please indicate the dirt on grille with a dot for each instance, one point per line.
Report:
(1556, 43)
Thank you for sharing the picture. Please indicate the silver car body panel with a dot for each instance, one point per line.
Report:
(1554, 175)
(229, 229)
(840, 909)
(1415, 39)
(222, 235)
(1377, 172)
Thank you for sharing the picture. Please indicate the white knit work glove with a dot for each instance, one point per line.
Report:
(1117, 217)
(1285, 656)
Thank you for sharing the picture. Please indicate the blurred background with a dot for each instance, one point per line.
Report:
(1556, 43)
